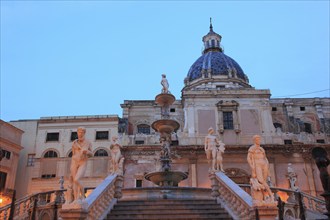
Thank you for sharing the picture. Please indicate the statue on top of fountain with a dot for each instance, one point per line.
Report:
(165, 84)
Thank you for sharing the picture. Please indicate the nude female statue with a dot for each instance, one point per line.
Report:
(115, 153)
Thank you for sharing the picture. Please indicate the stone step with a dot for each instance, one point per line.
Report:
(168, 209)
(170, 216)
(165, 201)
(167, 206)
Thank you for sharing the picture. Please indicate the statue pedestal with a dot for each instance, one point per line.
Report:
(267, 212)
(75, 210)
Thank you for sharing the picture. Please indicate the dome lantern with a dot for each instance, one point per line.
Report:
(214, 69)
(212, 40)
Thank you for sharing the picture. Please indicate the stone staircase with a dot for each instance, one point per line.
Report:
(168, 209)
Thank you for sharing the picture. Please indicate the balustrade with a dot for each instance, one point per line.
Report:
(99, 202)
(24, 206)
(234, 199)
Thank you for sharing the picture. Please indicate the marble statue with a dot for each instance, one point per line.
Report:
(165, 142)
(116, 157)
(220, 151)
(260, 191)
(81, 151)
(165, 84)
(292, 177)
(211, 150)
(61, 182)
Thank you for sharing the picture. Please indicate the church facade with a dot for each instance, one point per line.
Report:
(216, 94)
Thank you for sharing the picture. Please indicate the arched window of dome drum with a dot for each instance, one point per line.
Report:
(213, 43)
(101, 153)
(308, 128)
(50, 154)
(143, 129)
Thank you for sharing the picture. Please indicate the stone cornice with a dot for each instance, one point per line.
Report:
(75, 119)
(5, 143)
(271, 149)
(229, 93)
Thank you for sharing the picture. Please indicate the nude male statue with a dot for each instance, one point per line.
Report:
(259, 172)
(165, 84)
(81, 151)
(210, 147)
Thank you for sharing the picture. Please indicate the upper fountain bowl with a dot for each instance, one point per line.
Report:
(164, 99)
(165, 126)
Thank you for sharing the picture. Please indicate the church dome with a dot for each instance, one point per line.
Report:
(217, 63)
(214, 67)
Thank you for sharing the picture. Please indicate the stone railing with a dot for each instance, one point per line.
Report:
(314, 203)
(235, 200)
(297, 204)
(99, 202)
(31, 205)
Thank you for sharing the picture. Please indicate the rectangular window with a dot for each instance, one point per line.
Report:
(320, 141)
(287, 141)
(3, 177)
(143, 129)
(228, 122)
(48, 176)
(139, 142)
(172, 110)
(302, 108)
(138, 183)
(102, 135)
(220, 87)
(175, 143)
(53, 136)
(6, 154)
(31, 160)
(73, 136)
(274, 109)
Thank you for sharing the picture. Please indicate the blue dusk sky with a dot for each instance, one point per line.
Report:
(65, 58)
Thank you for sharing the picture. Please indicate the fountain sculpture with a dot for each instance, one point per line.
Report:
(165, 127)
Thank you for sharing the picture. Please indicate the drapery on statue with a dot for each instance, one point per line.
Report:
(165, 84)
(260, 191)
(116, 158)
(213, 152)
(81, 151)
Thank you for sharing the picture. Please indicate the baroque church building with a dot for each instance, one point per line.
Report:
(216, 94)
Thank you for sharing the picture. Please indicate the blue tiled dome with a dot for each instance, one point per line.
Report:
(218, 64)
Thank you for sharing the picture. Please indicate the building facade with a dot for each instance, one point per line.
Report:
(10, 148)
(216, 94)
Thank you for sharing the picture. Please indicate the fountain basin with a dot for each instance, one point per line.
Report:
(164, 99)
(165, 126)
(166, 178)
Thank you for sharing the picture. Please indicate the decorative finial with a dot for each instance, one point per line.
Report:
(211, 27)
